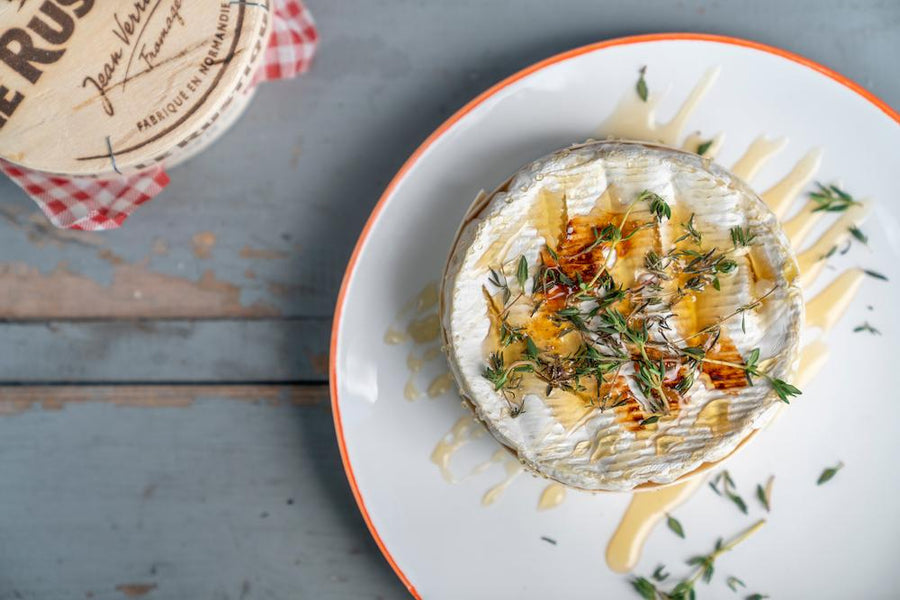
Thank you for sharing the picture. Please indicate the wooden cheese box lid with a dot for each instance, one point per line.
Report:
(83, 79)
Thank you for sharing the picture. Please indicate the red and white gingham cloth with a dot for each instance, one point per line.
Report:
(98, 204)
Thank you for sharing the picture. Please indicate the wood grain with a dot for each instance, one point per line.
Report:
(229, 498)
(165, 351)
(18, 399)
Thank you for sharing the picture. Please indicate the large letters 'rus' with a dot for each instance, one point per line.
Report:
(41, 42)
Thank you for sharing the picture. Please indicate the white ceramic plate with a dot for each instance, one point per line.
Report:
(839, 540)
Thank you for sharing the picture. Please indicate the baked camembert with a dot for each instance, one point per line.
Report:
(618, 314)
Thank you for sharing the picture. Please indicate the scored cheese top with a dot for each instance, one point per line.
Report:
(149, 75)
(605, 428)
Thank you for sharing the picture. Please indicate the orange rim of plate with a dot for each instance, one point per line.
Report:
(455, 118)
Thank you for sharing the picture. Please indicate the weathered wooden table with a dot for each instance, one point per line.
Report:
(165, 428)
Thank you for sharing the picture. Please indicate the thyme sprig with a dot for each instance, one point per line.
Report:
(704, 568)
(831, 198)
(867, 328)
(728, 490)
(703, 147)
(733, 583)
(741, 236)
(829, 473)
(675, 525)
(641, 86)
(857, 233)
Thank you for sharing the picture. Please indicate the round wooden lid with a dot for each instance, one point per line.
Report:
(81, 80)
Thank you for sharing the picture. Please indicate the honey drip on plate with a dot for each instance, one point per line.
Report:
(552, 496)
(440, 385)
(635, 119)
(513, 469)
(812, 358)
(418, 324)
(781, 195)
(463, 431)
(411, 391)
(645, 511)
(812, 260)
(426, 329)
(420, 327)
(693, 142)
(757, 155)
(827, 307)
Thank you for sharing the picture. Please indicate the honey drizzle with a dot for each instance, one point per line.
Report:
(645, 511)
(440, 385)
(552, 496)
(463, 431)
(635, 119)
(757, 155)
(781, 195)
(693, 141)
(826, 308)
(812, 260)
(513, 468)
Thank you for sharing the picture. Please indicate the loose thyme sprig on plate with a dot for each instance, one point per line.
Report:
(703, 147)
(831, 198)
(829, 473)
(618, 325)
(729, 489)
(704, 569)
(641, 86)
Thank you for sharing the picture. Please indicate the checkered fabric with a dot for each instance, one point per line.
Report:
(99, 204)
(292, 44)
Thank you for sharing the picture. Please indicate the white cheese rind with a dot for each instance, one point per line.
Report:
(626, 459)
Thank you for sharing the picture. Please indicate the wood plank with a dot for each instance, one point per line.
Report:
(22, 398)
(165, 351)
(228, 497)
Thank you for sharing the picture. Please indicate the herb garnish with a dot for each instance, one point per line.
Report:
(831, 198)
(645, 588)
(858, 234)
(764, 493)
(548, 540)
(728, 490)
(659, 574)
(867, 328)
(641, 86)
(675, 526)
(658, 206)
(756, 597)
(828, 473)
(733, 583)
(522, 272)
(741, 236)
(705, 568)
(875, 274)
(703, 147)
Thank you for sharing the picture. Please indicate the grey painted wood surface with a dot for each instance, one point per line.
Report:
(230, 277)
